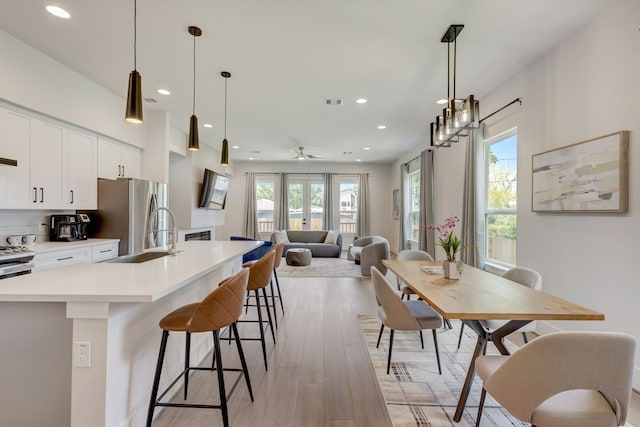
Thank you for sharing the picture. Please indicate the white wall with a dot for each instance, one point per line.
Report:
(586, 87)
(380, 191)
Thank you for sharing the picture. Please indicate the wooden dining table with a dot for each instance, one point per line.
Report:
(479, 295)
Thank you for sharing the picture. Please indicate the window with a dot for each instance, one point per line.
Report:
(412, 202)
(348, 205)
(501, 171)
(265, 202)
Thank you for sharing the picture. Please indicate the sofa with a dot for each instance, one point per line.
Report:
(314, 240)
(370, 251)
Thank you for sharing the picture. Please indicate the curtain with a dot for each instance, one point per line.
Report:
(328, 201)
(251, 214)
(425, 236)
(363, 204)
(282, 222)
(468, 230)
(404, 173)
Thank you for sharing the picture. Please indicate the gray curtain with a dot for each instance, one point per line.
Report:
(426, 236)
(404, 172)
(468, 221)
(282, 222)
(363, 205)
(328, 201)
(251, 214)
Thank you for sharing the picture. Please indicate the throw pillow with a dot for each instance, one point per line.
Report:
(332, 237)
(281, 236)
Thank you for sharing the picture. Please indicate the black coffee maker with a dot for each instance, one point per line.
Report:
(67, 228)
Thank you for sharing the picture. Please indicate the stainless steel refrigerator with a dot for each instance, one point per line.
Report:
(124, 207)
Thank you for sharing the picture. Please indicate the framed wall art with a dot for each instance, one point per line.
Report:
(589, 176)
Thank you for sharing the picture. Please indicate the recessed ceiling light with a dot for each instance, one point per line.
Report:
(382, 127)
(164, 92)
(358, 160)
(367, 148)
(207, 125)
(442, 101)
(361, 101)
(251, 158)
(58, 11)
(235, 146)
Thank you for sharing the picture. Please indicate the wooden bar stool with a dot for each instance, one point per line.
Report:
(219, 309)
(259, 277)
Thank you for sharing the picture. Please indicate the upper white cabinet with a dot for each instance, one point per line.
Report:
(81, 170)
(117, 160)
(15, 135)
(47, 141)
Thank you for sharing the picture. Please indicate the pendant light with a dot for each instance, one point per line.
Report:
(194, 142)
(224, 158)
(133, 112)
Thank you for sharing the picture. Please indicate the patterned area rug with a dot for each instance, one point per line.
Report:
(321, 267)
(415, 394)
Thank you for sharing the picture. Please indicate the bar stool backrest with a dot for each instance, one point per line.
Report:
(260, 272)
(279, 248)
(222, 306)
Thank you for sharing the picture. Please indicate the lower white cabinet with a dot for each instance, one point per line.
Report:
(60, 258)
(104, 251)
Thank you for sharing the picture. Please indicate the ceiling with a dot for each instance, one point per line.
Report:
(288, 56)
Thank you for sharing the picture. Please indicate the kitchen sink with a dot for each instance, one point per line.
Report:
(138, 258)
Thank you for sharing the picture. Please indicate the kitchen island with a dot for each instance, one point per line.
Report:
(111, 311)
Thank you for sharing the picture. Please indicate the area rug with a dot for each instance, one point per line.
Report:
(321, 267)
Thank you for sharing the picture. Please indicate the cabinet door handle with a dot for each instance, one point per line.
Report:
(41, 195)
(35, 195)
(123, 171)
(65, 258)
(105, 251)
(71, 196)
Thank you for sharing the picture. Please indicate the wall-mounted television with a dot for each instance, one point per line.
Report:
(213, 194)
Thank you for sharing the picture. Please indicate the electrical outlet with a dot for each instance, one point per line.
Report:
(82, 354)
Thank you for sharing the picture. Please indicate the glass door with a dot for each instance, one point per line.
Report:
(306, 204)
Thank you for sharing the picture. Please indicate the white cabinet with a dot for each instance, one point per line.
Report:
(117, 160)
(81, 170)
(104, 251)
(15, 134)
(60, 258)
(47, 140)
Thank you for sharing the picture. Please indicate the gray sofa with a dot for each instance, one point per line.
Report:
(312, 240)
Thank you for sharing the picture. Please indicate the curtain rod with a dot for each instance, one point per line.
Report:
(500, 109)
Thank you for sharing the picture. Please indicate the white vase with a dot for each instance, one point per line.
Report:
(451, 270)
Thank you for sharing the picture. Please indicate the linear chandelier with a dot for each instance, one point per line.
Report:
(460, 115)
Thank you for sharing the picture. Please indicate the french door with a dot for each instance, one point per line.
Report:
(306, 204)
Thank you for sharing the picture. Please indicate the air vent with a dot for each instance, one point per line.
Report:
(333, 101)
(152, 100)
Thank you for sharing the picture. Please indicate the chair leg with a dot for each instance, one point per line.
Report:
(380, 335)
(448, 325)
(264, 346)
(524, 335)
(266, 306)
(421, 339)
(435, 344)
(390, 348)
(275, 274)
(187, 354)
(460, 337)
(480, 406)
(219, 370)
(156, 378)
(273, 303)
(242, 360)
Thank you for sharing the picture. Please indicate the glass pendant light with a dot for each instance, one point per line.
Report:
(194, 141)
(224, 158)
(133, 112)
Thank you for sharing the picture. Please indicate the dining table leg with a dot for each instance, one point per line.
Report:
(498, 335)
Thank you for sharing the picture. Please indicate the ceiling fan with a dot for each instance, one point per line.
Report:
(301, 155)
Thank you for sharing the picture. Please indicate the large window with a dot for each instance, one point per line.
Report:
(265, 202)
(412, 202)
(501, 171)
(348, 205)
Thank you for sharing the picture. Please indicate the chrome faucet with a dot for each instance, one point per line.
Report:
(173, 249)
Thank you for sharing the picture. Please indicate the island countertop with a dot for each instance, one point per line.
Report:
(124, 282)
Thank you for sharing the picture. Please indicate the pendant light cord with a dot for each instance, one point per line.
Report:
(225, 108)
(135, 34)
(194, 75)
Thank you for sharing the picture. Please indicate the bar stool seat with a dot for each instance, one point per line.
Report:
(221, 308)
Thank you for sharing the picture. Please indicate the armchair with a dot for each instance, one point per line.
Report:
(369, 252)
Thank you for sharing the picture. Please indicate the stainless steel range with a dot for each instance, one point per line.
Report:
(15, 260)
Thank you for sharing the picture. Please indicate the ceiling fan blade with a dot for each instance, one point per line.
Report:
(314, 156)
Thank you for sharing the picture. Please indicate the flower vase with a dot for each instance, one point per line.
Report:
(451, 270)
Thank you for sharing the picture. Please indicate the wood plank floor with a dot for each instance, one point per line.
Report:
(319, 372)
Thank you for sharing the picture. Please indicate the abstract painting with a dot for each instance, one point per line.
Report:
(590, 176)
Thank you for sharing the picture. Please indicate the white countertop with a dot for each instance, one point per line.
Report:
(122, 282)
(44, 247)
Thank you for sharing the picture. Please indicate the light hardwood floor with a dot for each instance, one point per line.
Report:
(319, 372)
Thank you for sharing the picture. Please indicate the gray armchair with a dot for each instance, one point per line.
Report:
(369, 252)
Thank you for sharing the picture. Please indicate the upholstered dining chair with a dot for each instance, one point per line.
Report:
(563, 379)
(525, 277)
(399, 315)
